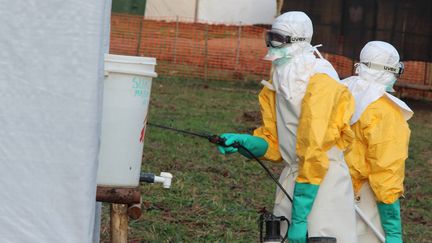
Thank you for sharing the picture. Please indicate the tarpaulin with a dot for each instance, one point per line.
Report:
(51, 74)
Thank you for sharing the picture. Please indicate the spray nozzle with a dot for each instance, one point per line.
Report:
(165, 178)
(221, 141)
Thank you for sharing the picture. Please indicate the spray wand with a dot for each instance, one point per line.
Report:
(215, 139)
(272, 222)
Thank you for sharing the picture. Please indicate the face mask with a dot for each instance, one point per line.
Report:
(278, 56)
(389, 87)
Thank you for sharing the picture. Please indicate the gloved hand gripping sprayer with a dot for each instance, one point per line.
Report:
(272, 222)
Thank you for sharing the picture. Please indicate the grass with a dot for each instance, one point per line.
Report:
(417, 205)
(215, 198)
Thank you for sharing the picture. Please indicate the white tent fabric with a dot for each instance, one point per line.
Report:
(51, 74)
(105, 49)
(245, 11)
(170, 8)
(217, 11)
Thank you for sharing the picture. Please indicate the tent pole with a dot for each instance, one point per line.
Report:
(196, 11)
(279, 4)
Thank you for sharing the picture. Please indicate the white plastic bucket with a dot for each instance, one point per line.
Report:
(126, 98)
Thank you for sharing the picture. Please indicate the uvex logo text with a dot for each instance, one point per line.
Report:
(294, 39)
(389, 69)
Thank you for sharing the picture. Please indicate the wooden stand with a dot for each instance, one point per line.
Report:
(119, 223)
(125, 203)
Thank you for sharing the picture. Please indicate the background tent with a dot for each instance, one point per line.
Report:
(219, 11)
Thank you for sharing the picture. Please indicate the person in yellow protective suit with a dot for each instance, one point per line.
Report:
(306, 113)
(377, 156)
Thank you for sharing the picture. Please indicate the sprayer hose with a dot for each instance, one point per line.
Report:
(267, 170)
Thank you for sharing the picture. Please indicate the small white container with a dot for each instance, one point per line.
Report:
(126, 98)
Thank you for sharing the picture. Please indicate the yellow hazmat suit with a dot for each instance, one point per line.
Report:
(377, 156)
(315, 136)
(379, 150)
(306, 114)
(324, 122)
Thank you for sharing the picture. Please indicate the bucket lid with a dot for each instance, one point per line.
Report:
(130, 65)
(130, 59)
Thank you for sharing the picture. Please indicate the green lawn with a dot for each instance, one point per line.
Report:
(417, 205)
(216, 198)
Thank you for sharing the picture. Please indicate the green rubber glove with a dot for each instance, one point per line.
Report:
(391, 221)
(304, 197)
(256, 145)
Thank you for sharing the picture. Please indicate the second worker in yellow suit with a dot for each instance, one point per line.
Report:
(306, 113)
(380, 148)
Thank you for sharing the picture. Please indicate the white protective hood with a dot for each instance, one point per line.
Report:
(335, 199)
(371, 84)
(292, 77)
(366, 93)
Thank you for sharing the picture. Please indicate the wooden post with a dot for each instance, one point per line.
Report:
(119, 223)
(175, 39)
(118, 195)
(237, 61)
(120, 199)
(134, 211)
(139, 36)
(206, 52)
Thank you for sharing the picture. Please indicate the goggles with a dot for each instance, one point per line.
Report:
(398, 70)
(278, 40)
